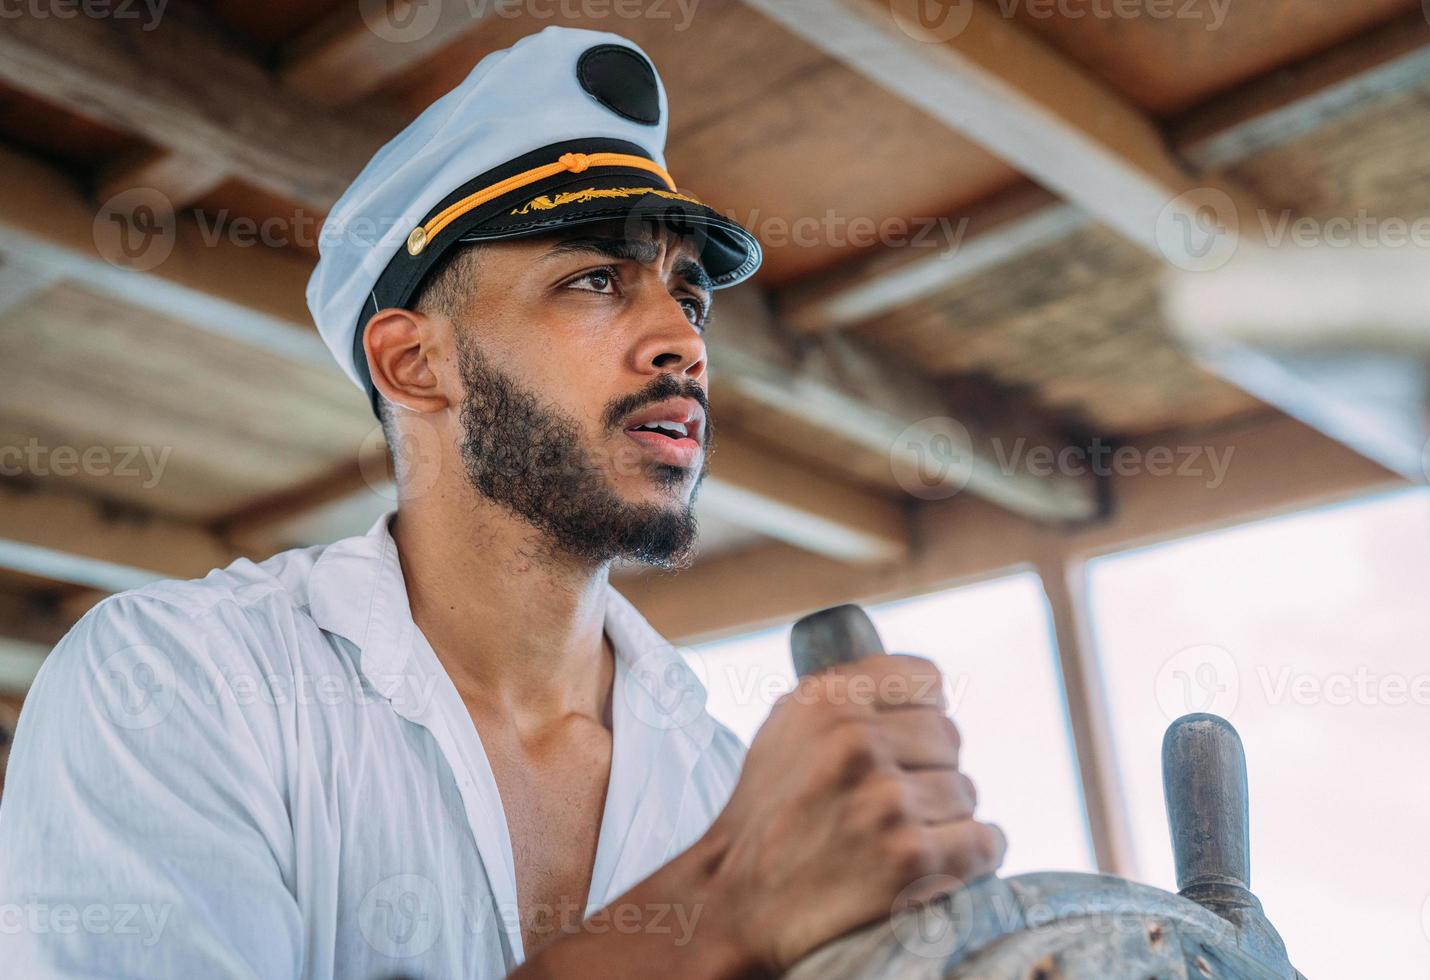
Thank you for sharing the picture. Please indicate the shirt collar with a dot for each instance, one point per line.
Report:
(357, 591)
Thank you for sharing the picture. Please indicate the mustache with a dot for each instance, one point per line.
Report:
(663, 387)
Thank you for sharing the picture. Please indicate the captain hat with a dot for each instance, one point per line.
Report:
(565, 127)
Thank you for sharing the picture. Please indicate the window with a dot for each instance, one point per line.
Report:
(993, 641)
(1311, 633)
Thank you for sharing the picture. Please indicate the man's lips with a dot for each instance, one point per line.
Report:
(671, 430)
(672, 452)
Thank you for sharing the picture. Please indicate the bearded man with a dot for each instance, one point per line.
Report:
(448, 748)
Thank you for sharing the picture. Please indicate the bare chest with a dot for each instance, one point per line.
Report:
(553, 795)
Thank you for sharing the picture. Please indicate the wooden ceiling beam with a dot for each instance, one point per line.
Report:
(1292, 102)
(1277, 465)
(83, 542)
(182, 89)
(1351, 79)
(998, 230)
(360, 47)
(893, 412)
(248, 294)
(767, 492)
(182, 179)
(989, 78)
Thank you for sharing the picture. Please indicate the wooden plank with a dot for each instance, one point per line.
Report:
(1089, 716)
(252, 295)
(71, 539)
(1299, 99)
(182, 179)
(265, 525)
(1291, 103)
(1171, 56)
(184, 90)
(19, 281)
(998, 231)
(768, 492)
(1338, 337)
(896, 413)
(1275, 466)
(992, 80)
(361, 47)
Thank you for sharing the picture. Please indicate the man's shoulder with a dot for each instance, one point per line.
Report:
(245, 610)
(242, 584)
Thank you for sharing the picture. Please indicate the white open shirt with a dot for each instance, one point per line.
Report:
(267, 773)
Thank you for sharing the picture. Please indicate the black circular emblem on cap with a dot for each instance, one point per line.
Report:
(622, 81)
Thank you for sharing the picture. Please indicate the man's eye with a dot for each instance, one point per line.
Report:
(597, 281)
(694, 311)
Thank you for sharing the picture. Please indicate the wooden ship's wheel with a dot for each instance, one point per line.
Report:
(1068, 926)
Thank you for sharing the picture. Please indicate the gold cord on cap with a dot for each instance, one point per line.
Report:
(573, 162)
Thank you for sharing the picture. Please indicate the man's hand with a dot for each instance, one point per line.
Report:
(850, 794)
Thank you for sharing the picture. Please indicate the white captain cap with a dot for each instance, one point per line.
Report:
(564, 127)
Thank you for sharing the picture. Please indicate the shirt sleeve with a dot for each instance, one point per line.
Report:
(144, 830)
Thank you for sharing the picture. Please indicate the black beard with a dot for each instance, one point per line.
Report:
(530, 460)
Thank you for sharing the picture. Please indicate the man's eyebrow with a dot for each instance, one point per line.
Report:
(640, 250)
(694, 275)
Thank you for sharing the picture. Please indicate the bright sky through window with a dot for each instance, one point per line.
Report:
(1311, 633)
(993, 642)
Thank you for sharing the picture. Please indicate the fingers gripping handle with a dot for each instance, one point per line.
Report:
(833, 636)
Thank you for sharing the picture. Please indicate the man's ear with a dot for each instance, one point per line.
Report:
(400, 348)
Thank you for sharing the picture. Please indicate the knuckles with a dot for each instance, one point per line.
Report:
(908, 853)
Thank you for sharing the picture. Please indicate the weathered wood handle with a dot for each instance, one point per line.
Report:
(1204, 779)
(1078, 926)
(831, 637)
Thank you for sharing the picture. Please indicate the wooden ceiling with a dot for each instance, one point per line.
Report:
(1043, 321)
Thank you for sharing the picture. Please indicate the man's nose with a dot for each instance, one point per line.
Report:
(669, 342)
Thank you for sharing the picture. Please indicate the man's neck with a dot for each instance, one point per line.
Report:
(517, 625)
